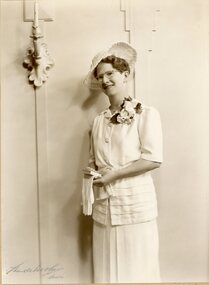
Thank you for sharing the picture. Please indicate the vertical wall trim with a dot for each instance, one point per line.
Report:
(37, 181)
(40, 117)
(41, 158)
(126, 8)
(42, 164)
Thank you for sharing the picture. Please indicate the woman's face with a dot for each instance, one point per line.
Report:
(111, 81)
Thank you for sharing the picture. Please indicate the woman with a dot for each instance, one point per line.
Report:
(126, 144)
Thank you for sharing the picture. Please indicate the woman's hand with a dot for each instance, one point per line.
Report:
(108, 176)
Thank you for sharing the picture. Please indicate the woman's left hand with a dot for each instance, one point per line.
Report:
(108, 177)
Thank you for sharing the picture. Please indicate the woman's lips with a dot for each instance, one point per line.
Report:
(105, 87)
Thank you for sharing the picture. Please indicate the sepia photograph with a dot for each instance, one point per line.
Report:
(104, 141)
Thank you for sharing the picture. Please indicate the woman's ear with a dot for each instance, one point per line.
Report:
(126, 74)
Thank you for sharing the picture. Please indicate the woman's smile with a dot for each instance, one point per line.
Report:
(107, 86)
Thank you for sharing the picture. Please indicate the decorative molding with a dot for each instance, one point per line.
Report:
(154, 27)
(38, 60)
(125, 6)
(46, 10)
(38, 63)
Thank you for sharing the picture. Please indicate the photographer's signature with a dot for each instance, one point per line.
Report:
(52, 272)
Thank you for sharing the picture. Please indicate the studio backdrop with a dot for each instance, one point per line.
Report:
(45, 237)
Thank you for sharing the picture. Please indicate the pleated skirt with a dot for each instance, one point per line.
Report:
(126, 253)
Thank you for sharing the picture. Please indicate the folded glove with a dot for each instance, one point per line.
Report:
(87, 194)
(87, 190)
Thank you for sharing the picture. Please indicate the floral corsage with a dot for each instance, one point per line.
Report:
(128, 109)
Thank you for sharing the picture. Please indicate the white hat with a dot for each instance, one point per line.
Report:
(121, 50)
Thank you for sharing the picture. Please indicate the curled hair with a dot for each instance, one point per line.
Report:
(118, 63)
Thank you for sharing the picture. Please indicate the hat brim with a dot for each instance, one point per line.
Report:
(121, 50)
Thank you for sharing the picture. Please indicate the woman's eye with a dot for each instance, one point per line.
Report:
(109, 73)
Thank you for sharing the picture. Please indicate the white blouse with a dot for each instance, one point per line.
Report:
(132, 199)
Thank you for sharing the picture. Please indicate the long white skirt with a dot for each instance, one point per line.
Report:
(126, 253)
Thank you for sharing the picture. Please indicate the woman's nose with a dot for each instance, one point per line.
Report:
(105, 78)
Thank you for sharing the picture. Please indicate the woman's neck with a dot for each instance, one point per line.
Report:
(116, 101)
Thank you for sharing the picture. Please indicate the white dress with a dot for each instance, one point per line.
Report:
(125, 234)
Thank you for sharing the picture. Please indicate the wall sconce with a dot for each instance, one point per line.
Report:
(38, 60)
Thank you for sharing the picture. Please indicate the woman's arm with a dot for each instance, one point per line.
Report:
(136, 168)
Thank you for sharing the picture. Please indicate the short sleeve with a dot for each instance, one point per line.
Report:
(150, 133)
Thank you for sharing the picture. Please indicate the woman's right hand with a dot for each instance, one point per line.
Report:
(105, 170)
(108, 177)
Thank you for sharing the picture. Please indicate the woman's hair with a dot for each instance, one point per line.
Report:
(118, 63)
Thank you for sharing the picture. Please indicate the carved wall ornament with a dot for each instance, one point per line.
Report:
(37, 60)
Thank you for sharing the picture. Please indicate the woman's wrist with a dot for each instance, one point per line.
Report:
(118, 174)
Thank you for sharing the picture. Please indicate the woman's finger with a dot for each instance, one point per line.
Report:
(98, 182)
